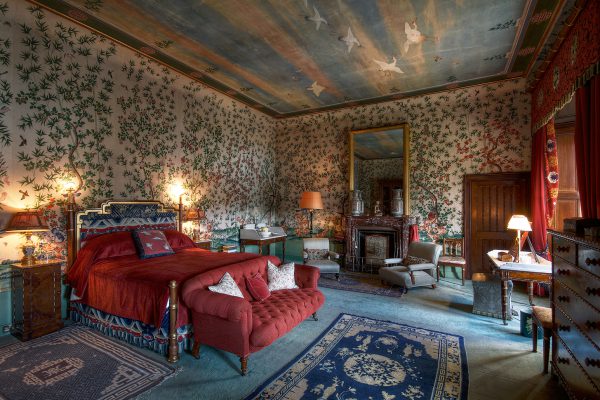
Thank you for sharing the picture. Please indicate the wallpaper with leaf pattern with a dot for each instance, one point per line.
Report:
(131, 127)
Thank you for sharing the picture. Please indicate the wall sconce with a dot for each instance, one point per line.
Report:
(27, 222)
(311, 201)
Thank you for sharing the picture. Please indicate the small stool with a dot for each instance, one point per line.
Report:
(542, 316)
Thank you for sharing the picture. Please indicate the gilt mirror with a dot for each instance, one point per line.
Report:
(379, 164)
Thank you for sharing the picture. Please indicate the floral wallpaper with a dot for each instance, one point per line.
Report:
(74, 105)
(480, 129)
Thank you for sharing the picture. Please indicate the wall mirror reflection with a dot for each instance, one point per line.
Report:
(379, 170)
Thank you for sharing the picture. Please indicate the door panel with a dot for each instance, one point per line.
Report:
(490, 200)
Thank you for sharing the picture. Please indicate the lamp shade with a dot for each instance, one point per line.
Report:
(519, 222)
(311, 201)
(26, 221)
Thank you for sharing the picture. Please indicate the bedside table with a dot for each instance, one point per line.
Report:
(36, 301)
(203, 244)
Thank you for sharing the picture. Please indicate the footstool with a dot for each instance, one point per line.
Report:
(487, 295)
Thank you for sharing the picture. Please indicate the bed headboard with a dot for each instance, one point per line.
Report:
(119, 216)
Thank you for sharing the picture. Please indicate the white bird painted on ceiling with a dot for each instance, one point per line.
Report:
(316, 88)
(317, 19)
(413, 36)
(391, 67)
(350, 40)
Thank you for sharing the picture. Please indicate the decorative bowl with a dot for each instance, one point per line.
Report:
(264, 234)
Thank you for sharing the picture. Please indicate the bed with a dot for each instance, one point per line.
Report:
(134, 299)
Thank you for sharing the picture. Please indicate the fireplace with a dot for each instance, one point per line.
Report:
(370, 240)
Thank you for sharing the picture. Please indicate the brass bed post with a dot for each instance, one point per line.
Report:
(71, 235)
(173, 348)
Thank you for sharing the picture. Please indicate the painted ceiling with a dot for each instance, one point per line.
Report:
(289, 57)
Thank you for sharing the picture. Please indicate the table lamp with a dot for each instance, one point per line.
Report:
(27, 222)
(311, 201)
(519, 223)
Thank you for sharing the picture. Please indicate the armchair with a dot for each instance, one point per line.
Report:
(316, 253)
(408, 276)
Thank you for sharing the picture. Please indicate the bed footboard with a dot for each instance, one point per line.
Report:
(173, 356)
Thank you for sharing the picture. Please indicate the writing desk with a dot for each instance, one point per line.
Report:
(523, 271)
(252, 237)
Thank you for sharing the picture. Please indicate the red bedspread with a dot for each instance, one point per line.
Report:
(130, 287)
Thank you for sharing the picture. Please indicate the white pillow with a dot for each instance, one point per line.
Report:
(227, 286)
(281, 277)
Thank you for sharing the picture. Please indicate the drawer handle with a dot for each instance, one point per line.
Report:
(590, 362)
(563, 360)
(566, 328)
(563, 249)
(592, 291)
(563, 299)
(592, 325)
(592, 261)
(563, 272)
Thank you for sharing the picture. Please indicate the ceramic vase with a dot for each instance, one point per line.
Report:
(358, 206)
(397, 208)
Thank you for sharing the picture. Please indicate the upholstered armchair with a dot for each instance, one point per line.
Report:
(419, 268)
(317, 254)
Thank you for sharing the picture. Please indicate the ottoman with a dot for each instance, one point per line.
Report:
(487, 296)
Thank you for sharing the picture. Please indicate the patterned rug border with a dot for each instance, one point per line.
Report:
(110, 342)
(392, 291)
(463, 353)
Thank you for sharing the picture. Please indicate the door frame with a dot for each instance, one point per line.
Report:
(468, 180)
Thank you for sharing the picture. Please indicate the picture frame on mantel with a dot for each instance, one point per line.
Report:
(385, 148)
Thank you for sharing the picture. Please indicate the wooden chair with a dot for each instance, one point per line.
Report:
(452, 256)
(542, 316)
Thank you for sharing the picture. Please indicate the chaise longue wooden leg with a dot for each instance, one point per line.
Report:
(315, 316)
(244, 365)
(196, 349)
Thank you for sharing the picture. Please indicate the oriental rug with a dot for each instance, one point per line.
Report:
(362, 283)
(365, 358)
(76, 363)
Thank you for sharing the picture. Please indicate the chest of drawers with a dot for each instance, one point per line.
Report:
(576, 312)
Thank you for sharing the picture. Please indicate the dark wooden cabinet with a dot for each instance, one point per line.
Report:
(36, 300)
(576, 311)
(203, 244)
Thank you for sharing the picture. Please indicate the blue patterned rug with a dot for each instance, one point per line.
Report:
(76, 363)
(362, 283)
(364, 358)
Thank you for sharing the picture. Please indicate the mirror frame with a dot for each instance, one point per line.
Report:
(406, 161)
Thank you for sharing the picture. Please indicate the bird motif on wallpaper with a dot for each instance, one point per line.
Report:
(24, 194)
(350, 40)
(317, 19)
(316, 88)
(388, 68)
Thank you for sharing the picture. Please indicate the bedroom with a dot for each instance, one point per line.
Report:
(246, 151)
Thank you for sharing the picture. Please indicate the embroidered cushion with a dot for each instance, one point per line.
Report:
(227, 286)
(281, 277)
(411, 260)
(151, 243)
(316, 254)
(258, 288)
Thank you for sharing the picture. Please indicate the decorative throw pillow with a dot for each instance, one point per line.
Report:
(227, 286)
(316, 254)
(411, 260)
(151, 243)
(281, 277)
(258, 288)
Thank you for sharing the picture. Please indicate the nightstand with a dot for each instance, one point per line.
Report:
(203, 244)
(36, 301)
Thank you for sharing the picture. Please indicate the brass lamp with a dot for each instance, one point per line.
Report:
(519, 223)
(27, 222)
(311, 201)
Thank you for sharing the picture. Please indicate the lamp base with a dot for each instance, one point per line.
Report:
(28, 257)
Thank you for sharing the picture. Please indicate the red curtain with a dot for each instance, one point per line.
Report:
(538, 190)
(587, 147)
(413, 233)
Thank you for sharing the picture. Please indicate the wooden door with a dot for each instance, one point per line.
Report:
(489, 202)
(567, 203)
